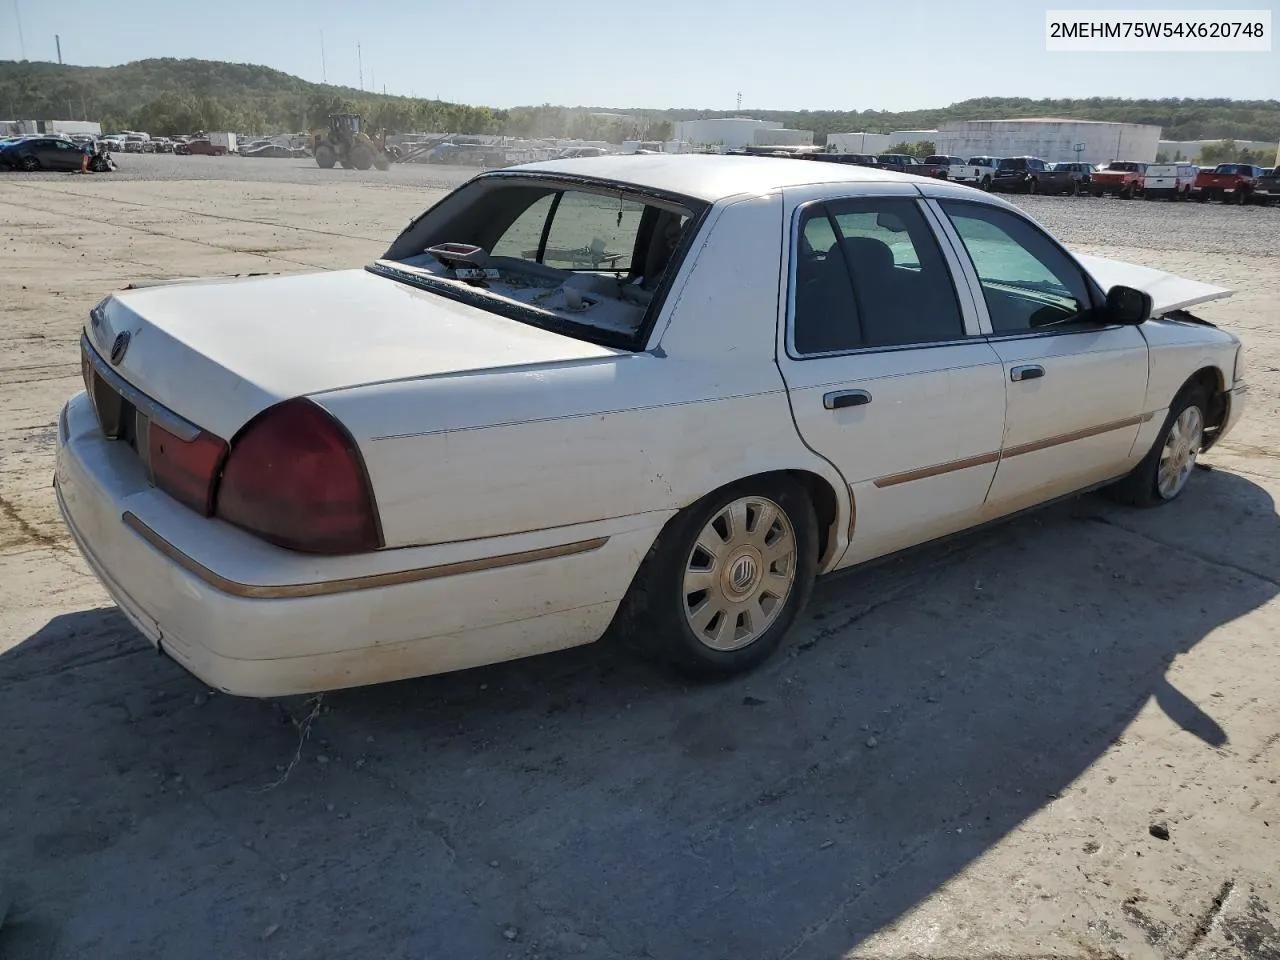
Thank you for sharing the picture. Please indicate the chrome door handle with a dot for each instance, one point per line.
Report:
(1027, 371)
(845, 398)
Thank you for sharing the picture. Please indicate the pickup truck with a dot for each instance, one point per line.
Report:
(1267, 190)
(904, 163)
(976, 171)
(1030, 175)
(1081, 174)
(943, 163)
(1228, 182)
(1172, 180)
(1121, 177)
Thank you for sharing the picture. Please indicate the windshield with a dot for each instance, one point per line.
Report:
(586, 259)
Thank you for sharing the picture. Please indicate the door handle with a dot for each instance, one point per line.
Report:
(845, 398)
(1027, 371)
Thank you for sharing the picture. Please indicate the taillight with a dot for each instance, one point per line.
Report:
(186, 469)
(295, 478)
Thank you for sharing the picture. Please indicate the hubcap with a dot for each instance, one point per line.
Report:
(1178, 457)
(739, 573)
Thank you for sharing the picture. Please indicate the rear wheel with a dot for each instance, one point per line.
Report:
(1165, 470)
(326, 156)
(725, 579)
(1032, 186)
(30, 164)
(986, 184)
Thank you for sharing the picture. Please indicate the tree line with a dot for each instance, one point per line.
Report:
(180, 96)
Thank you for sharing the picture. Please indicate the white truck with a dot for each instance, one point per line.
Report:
(1172, 180)
(227, 141)
(977, 172)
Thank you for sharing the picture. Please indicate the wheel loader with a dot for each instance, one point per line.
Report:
(345, 143)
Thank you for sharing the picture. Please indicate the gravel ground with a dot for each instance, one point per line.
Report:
(975, 751)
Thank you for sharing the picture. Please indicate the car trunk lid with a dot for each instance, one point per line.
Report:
(219, 352)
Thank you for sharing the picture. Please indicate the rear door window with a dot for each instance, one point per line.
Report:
(869, 273)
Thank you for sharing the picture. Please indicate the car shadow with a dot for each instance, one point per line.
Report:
(583, 803)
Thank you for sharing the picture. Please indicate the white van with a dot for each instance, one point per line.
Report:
(1172, 180)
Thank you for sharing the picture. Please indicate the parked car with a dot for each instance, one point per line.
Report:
(976, 171)
(1024, 175)
(943, 163)
(1081, 174)
(1120, 177)
(512, 439)
(1228, 182)
(52, 153)
(1267, 189)
(1170, 181)
(857, 159)
(905, 163)
(201, 146)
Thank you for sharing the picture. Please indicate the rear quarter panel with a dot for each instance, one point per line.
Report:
(466, 457)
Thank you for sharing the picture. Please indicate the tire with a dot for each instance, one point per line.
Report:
(1032, 186)
(1148, 485)
(986, 184)
(1075, 188)
(706, 633)
(1126, 194)
(326, 156)
(361, 157)
(1242, 197)
(382, 161)
(30, 164)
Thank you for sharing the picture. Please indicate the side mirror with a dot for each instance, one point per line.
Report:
(1128, 306)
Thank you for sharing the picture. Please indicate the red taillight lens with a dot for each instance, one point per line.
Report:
(186, 469)
(296, 479)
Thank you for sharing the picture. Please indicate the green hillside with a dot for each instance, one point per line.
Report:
(177, 96)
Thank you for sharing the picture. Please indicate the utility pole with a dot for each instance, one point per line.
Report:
(324, 70)
(22, 44)
(360, 64)
(58, 40)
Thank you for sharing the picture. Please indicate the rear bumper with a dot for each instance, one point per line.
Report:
(181, 579)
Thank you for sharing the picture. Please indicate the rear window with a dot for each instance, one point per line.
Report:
(1231, 168)
(1013, 163)
(588, 259)
(1124, 166)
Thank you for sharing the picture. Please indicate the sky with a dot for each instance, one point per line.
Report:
(811, 54)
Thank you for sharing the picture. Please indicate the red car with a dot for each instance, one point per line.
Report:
(201, 147)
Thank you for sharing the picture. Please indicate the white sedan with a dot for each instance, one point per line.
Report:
(659, 394)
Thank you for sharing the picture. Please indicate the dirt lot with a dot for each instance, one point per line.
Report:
(959, 755)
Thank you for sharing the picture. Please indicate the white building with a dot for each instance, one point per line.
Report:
(735, 132)
(1050, 139)
(858, 142)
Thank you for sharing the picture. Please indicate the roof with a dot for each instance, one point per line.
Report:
(711, 177)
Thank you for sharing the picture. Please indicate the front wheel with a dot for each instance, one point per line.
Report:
(725, 579)
(986, 184)
(1165, 470)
